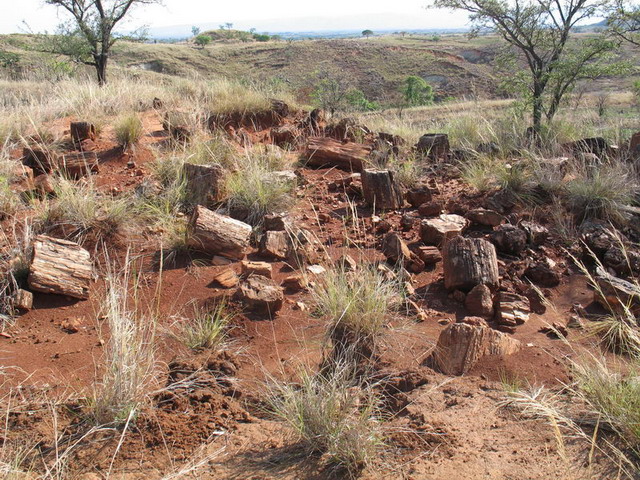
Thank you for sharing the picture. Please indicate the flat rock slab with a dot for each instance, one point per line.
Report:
(513, 309)
(60, 267)
(436, 231)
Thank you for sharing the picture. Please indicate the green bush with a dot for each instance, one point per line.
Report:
(417, 91)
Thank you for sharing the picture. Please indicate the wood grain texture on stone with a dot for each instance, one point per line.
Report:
(214, 233)
(324, 151)
(468, 262)
(380, 190)
(61, 267)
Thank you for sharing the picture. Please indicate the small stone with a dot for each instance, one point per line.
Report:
(347, 263)
(479, 301)
(509, 239)
(541, 274)
(71, 325)
(316, 269)
(256, 268)
(485, 217)
(227, 278)
(431, 209)
(459, 296)
(429, 255)
(260, 295)
(218, 261)
(23, 300)
(275, 244)
(295, 283)
(437, 231)
(513, 309)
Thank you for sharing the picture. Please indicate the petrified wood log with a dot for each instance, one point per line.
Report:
(324, 151)
(468, 262)
(203, 183)
(61, 267)
(78, 164)
(82, 131)
(380, 190)
(218, 234)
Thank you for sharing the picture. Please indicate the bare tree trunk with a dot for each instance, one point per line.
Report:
(101, 68)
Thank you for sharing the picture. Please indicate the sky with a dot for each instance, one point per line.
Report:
(274, 14)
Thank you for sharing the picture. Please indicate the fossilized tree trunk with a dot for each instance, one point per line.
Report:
(213, 233)
(468, 262)
(380, 189)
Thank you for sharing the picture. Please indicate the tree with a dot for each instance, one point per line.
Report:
(624, 21)
(357, 99)
(195, 31)
(417, 92)
(539, 31)
(90, 32)
(202, 40)
(367, 33)
(330, 91)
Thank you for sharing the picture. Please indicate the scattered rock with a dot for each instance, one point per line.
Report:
(509, 239)
(536, 234)
(555, 330)
(437, 231)
(347, 263)
(256, 268)
(616, 294)
(429, 255)
(468, 262)
(482, 216)
(295, 283)
(513, 309)
(396, 250)
(213, 233)
(227, 278)
(543, 275)
(275, 244)
(479, 301)
(316, 269)
(418, 195)
(434, 145)
(23, 300)
(431, 209)
(260, 295)
(72, 325)
(276, 221)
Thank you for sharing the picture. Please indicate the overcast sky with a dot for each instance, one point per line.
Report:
(410, 13)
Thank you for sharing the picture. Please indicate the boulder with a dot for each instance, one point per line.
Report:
(260, 295)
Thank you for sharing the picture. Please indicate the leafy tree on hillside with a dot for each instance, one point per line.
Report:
(195, 31)
(89, 36)
(330, 91)
(357, 99)
(202, 40)
(367, 33)
(417, 92)
(539, 31)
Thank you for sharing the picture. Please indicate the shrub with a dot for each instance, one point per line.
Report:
(129, 131)
(208, 327)
(202, 40)
(358, 101)
(417, 91)
(333, 415)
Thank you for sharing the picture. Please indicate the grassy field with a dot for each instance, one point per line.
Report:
(457, 67)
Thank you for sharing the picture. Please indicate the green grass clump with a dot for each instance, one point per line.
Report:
(333, 415)
(129, 131)
(256, 190)
(207, 329)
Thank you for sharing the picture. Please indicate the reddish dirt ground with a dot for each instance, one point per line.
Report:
(462, 432)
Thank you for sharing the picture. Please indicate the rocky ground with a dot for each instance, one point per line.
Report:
(491, 297)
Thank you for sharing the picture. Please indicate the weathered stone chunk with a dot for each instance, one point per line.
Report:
(616, 294)
(509, 239)
(396, 250)
(542, 274)
(437, 231)
(218, 234)
(434, 145)
(275, 244)
(536, 234)
(23, 300)
(479, 301)
(226, 278)
(512, 309)
(60, 267)
(461, 345)
(468, 262)
(430, 255)
(482, 216)
(260, 295)
(256, 268)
